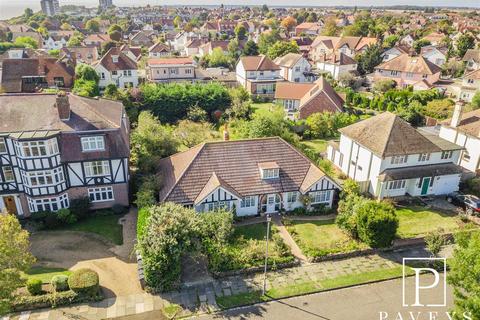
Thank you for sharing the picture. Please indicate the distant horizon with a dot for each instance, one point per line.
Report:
(9, 9)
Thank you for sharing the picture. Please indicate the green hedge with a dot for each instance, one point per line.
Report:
(34, 286)
(27, 302)
(143, 215)
(60, 283)
(84, 281)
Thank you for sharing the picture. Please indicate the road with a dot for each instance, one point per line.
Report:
(362, 302)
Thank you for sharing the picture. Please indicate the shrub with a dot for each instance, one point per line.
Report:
(39, 216)
(27, 302)
(80, 207)
(434, 241)
(347, 213)
(299, 211)
(51, 221)
(34, 286)
(60, 283)
(84, 281)
(118, 209)
(66, 216)
(377, 223)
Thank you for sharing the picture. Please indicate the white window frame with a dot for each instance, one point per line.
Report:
(48, 204)
(247, 202)
(399, 159)
(322, 196)
(292, 197)
(447, 154)
(38, 149)
(93, 143)
(99, 168)
(8, 170)
(3, 145)
(213, 206)
(101, 194)
(397, 184)
(34, 178)
(423, 157)
(270, 173)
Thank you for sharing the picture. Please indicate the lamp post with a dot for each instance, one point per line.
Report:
(266, 256)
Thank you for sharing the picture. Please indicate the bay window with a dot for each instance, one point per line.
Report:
(32, 149)
(48, 204)
(44, 178)
(320, 196)
(247, 202)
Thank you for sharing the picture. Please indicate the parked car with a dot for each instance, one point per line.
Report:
(469, 202)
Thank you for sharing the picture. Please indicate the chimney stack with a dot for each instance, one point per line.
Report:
(226, 134)
(457, 114)
(63, 106)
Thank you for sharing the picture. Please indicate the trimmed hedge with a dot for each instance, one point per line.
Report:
(34, 286)
(84, 281)
(60, 283)
(27, 302)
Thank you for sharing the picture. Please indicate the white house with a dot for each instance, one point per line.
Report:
(434, 54)
(464, 130)
(55, 42)
(407, 40)
(390, 158)
(472, 59)
(170, 69)
(470, 85)
(337, 64)
(249, 177)
(117, 68)
(393, 53)
(294, 67)
(259, 75)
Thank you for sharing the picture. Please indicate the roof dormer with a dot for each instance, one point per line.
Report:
(115, 58)
(269, 170)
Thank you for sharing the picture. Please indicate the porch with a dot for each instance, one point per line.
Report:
(11, 203)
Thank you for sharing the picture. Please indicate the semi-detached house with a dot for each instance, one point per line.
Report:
(54, 149)
(117, 68)
(390, 158)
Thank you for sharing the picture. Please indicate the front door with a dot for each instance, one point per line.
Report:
(273, 202)
(425, 185)
(10, 204)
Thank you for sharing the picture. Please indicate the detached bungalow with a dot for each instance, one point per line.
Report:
(247, 176)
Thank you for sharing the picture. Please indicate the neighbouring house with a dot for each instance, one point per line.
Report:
(408, 70)
(300, 100)
(32, 34)
(33, 74)
(66, 147)
(249, 177)
(55, 42)
(134, 53)
(207, 48)
(390, 158)
(192, 47)
(96, 40)
(394, 52)
(115, 67)
(337, 64)
(470, 85)
(435, 38)
(408, 41)
(87, 55)
(472, 59)
(436, 55)
(159, 50)
(295, 68)
(259, 75)
(351, 46)
(143, 38)
(170, 69)
(308, 29)
(463, 129)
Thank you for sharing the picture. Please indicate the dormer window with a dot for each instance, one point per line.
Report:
(269, 170)
(115, 59)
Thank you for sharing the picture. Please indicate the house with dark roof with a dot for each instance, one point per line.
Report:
(300, 100)
(159, 50)
(33, 74)
(57, 148)
(253, 176)
(259, 75)
(117, 68)
(390, 158)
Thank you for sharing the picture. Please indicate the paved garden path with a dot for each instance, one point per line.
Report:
(287, 238)
(201, 298)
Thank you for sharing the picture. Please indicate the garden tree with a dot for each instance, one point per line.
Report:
(107, 45)
(86, 81)
(241, 107)
(92, 25)
(377, 223)
(197, 114)
(250, 48)
(384, 85)
(326, 124)
(346, 79)
(264, 9)
(464, 274)
(312, 17)
(171, 102)
(234, 51)
(266, 40)
(27, 13)
(361, 27)
(453, 68)
(188, 27)
(445, 26)
(465, 41)
(111, 91)
(419, 44)
(167, 235)
(434, 241)
(26, 42)
(115, 35)
(272, 23)
(216, 59)
(75, 40)
(350, 187)
(390, 41)
(289, 23)
(54, 53)
(15, 258)
(476, 100)
(191, 133)
(281, 48)
(43, 31)
(330, 28)
(177, 21)
(114, 27)
(240, 32)
(369, 59)
(66, 26)
(151, 141)
(413, 114)
(440, 109)
(347, 211)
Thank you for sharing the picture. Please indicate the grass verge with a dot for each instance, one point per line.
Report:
(45, 274)
(105, 226)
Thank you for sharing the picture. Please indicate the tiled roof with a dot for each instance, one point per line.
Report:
(388, 135)
(472, 54)
(182, 60)
(288, 60)
(473, 75)
(258, 63)
(292, 90)
(235, 165)
(123, 63)
(407, 63)
(470, 123)
(338, 58)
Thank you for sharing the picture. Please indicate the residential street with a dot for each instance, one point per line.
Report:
(362, 302)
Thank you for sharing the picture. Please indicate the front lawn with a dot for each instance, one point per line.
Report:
(106, 226)
(321, 238)
(419, 221)
(315, 145)
(45, 274)
(246, 249)
(263, 108)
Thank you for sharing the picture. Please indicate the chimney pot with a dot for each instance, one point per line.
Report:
(63, 106)
(457, 114)
(226, 134)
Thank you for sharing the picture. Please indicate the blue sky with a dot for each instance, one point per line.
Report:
(10, 8)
